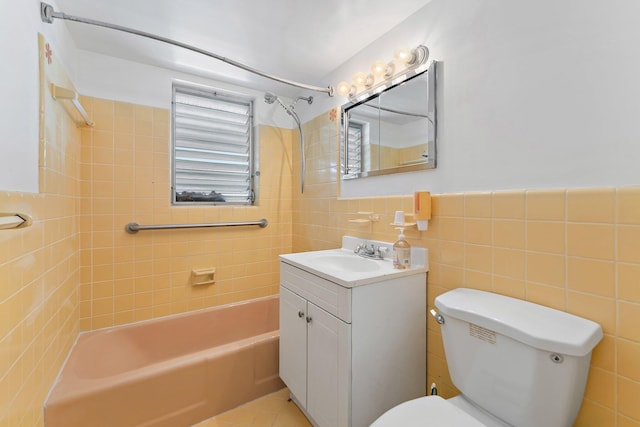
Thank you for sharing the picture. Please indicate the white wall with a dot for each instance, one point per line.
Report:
(92, 74)
(20, 24)
(107, 77)
(537, 94)
(542, 94)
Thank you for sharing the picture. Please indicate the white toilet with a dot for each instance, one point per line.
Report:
(516, 364)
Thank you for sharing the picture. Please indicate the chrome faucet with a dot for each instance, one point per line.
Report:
(370, 250)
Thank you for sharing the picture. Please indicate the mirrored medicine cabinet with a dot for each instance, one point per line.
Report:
(391, 131)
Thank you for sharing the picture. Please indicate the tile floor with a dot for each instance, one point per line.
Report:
(272, 410)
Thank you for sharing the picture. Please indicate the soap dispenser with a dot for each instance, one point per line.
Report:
(401, 252)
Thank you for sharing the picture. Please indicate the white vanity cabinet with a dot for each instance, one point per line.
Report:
(314, 358)
(347, 354)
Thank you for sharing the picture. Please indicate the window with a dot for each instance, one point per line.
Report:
(357, 138)
(212, 146)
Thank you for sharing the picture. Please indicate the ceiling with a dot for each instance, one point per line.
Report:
(299, 40)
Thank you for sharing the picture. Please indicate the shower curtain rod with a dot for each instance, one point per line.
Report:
(47, 14)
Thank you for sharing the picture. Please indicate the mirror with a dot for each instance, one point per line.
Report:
(391, 131)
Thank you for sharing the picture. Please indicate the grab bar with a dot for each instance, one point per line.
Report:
(134, 227)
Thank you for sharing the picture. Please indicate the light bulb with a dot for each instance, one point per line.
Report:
(344, 88)
(403, 55)
(391, 68)
(379, 68)
(359, 79)
(369, 81)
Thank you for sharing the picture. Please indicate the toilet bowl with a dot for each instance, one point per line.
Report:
(454, 412)
(434, 409)
(516, 364)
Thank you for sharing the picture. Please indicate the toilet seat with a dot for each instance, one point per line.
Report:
(429, 410)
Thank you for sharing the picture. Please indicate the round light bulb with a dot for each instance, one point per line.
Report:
(344, 88)
(379, 68)
(403, 55)
(359, 79)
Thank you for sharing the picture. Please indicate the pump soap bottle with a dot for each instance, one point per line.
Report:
(401, 252)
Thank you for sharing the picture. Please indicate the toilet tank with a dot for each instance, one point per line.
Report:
(523, 363)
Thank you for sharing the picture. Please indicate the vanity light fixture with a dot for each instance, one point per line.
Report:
(363, 80)
(402, 54)
(406, 63)
(345, 88)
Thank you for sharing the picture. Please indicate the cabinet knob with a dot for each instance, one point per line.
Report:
(309, 319)
(301, 314)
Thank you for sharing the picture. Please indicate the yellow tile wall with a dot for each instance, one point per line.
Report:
(39, 275)
(125, 177)
(576, 250)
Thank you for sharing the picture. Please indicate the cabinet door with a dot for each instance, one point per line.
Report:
(293, 343)
(329, 374)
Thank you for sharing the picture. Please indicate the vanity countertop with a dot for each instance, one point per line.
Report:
(344, 267)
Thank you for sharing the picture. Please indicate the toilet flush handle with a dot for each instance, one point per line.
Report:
(437, 316)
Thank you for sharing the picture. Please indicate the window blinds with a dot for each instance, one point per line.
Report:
(354, 152)
(212, 143)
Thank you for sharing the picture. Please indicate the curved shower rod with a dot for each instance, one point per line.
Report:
(47, 14)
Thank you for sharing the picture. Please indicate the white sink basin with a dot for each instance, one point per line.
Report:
(346, 263)
(346, 268)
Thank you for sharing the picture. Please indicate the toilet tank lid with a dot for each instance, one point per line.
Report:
(532, 324)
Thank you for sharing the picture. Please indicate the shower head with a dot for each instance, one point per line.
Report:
(270, 98)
